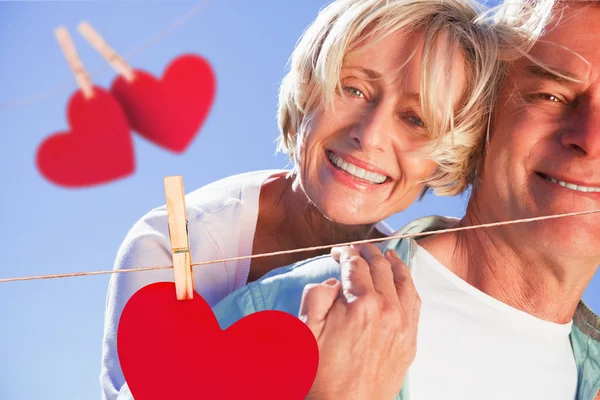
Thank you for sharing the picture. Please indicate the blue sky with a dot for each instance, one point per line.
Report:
(51, 330)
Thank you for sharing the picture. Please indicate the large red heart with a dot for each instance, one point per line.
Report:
(172, 349)
(169, 112)
(97, 150)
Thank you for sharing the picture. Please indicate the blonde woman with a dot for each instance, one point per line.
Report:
(384, 100)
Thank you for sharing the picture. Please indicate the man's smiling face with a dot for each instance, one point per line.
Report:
(544, 151)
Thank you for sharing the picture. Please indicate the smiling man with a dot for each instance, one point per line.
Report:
(501, 315)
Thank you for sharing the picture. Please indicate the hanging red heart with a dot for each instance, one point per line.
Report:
(169, 112)
(175, 349)
(97, 150)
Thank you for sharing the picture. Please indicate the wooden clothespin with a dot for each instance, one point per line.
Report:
(180, 241)
(83, 79)
(114, 59)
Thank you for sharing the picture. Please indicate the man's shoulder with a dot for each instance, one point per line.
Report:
(298, 275)
(288, 281)
(585, 342)
(281, 289)
(418, 226)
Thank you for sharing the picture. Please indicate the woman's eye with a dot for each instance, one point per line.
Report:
(413, 119)
(354, 91)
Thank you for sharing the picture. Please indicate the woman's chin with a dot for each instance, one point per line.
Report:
(346, 207)
(344, 215)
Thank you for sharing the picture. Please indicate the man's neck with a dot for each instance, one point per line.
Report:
(503, 264)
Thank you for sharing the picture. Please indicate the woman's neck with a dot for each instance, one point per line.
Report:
(288, 220)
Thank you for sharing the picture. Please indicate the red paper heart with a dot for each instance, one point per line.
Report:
(171, 349)
(97, 150)
(169, 112)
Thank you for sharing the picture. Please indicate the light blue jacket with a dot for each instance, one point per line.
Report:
(281, 289)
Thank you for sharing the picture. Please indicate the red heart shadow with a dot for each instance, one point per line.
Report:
(171, 349)
(97, 150)
(169, 112)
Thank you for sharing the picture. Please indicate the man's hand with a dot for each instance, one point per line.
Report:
(367, 335)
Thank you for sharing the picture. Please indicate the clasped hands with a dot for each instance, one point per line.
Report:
(365, 325)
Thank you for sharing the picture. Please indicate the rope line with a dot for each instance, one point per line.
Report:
(100, 71)
(306, 249)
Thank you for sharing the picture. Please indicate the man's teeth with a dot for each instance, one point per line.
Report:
(572, 186)
(356, 170)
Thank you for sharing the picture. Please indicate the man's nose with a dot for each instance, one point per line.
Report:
(584, 136)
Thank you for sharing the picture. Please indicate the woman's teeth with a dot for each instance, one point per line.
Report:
(356, 171)
(572, 186)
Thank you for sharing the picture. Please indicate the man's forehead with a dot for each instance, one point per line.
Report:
(566, 61)
(574, 16)
(570, 41)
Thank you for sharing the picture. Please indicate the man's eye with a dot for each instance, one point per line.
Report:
(354, 91)
(549, 97)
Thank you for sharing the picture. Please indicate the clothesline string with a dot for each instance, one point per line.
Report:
(306, 249)
(64, 87)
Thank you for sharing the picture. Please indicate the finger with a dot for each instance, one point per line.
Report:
(356, 277)
(405, 288)
(317, 300)
(335, 253)
(380, 269)
(417, 310)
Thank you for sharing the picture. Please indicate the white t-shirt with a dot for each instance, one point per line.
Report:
(222, 219)
(462, 330)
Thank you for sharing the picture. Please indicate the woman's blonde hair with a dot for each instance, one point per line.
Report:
(456, 26)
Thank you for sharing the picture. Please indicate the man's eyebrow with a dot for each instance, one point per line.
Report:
(540, 72)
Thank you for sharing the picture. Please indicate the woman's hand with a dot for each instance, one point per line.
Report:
(367, 335)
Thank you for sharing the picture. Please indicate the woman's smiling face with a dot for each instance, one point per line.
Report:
(360, 158)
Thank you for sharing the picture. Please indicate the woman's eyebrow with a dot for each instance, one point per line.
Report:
(371, 74)
(415, 96)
